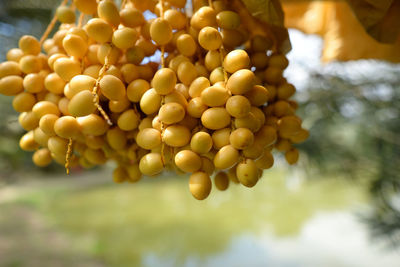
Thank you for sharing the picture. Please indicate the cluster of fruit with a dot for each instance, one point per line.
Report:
(189, 90)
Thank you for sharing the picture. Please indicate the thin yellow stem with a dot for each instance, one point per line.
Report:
(68, 155)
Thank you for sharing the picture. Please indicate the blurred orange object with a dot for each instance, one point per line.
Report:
(343, 33)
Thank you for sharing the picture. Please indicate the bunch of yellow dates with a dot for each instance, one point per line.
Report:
(184, 88)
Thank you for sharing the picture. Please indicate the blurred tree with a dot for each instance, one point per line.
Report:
(354, 112)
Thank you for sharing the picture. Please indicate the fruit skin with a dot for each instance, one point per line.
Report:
(247, 173)
(221, 181)
(200, 185)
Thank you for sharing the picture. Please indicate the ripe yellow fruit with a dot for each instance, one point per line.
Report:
(241, 138)
(170, 113)
(66, 127)
(116, 138)
(67, 68)
(238, 106)
(92, 125)
(247, 173)
(201, 142)
(125, 38)
(148, 138)
(128, 120)
(99, 30)
(164, 81)
(57, 145)
(42, 157)
(220, 138)
(212, 60)
(151, 164)
(65, 14)
(221, 181)
(23, 102)
(11, 85)
(267, 135)
(186, 45)
(88, 7)
(236, 60)
(176, 19)
(29, 45)
(200, 185)
(27, 142)
(47, 122)
(81, 104)
(108, 11)
(45, 107)
(75, 45)
(176, 135)
(161, 31)
(266, 161)
(241, 82)
(226, 157)
(188, 161)
(196, 107)
(258, 95)
(136, 89)
(210, 38)
(215, 96)
(187, 72)
(205, 16)
(215, 118)
(53, 83)
(28, 120)
(150, 101)
(112, 87)
(131, 17)
(9, 68)
(30, 64)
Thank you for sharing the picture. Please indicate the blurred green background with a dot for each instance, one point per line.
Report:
(340, 206)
